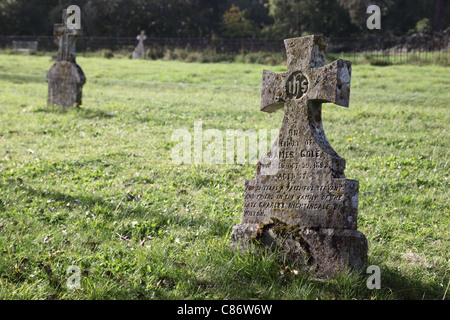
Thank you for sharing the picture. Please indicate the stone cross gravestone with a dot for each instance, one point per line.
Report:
(305, 207)
(65, 78)
(139, 51)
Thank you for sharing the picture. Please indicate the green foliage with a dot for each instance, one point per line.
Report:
(424, 26)
(356, 10)
(108, 54)
(325, 17)
(281, 12)
(155, 52)
(234, 24)
(205, 18)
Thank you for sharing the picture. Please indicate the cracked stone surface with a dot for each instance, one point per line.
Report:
(300, 184)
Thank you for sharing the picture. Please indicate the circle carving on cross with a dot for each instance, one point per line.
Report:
(296, 85)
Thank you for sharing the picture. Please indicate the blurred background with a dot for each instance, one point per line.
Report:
(227, 27)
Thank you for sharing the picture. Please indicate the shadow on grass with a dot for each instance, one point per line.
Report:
(305, 285)
(258, 276)
(254, 273)
(84, 113)
(393, 285)
(406, 288)
(120, 208)
(91, 113)
(22, 78)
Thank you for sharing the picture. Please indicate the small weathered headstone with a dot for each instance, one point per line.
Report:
(139, 51)
(25, 46)
(65, 78)
(305, 207)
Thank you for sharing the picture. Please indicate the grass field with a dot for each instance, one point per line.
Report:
(96, 187)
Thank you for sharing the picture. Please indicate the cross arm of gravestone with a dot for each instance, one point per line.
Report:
(142, 36)
(306, 76)
(67, 37)
(60, 29)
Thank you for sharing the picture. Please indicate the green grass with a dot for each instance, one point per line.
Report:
(96, 187)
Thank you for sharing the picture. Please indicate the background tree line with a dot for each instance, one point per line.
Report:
(226, 18)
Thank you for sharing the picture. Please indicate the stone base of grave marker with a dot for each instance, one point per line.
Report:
(65, 84)
(139, 52)
(326, 251)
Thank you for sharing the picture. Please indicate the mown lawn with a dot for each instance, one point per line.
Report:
(96, 188)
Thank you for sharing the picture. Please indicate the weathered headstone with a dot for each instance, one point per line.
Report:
(25, 46)
(139, 51)
(305, 207)
(65, 78)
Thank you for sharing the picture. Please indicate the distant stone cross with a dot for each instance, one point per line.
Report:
(67, 38)
(306, 205)
(141, 37)
(139, 51)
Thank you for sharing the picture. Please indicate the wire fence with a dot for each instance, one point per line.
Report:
(393, 50)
